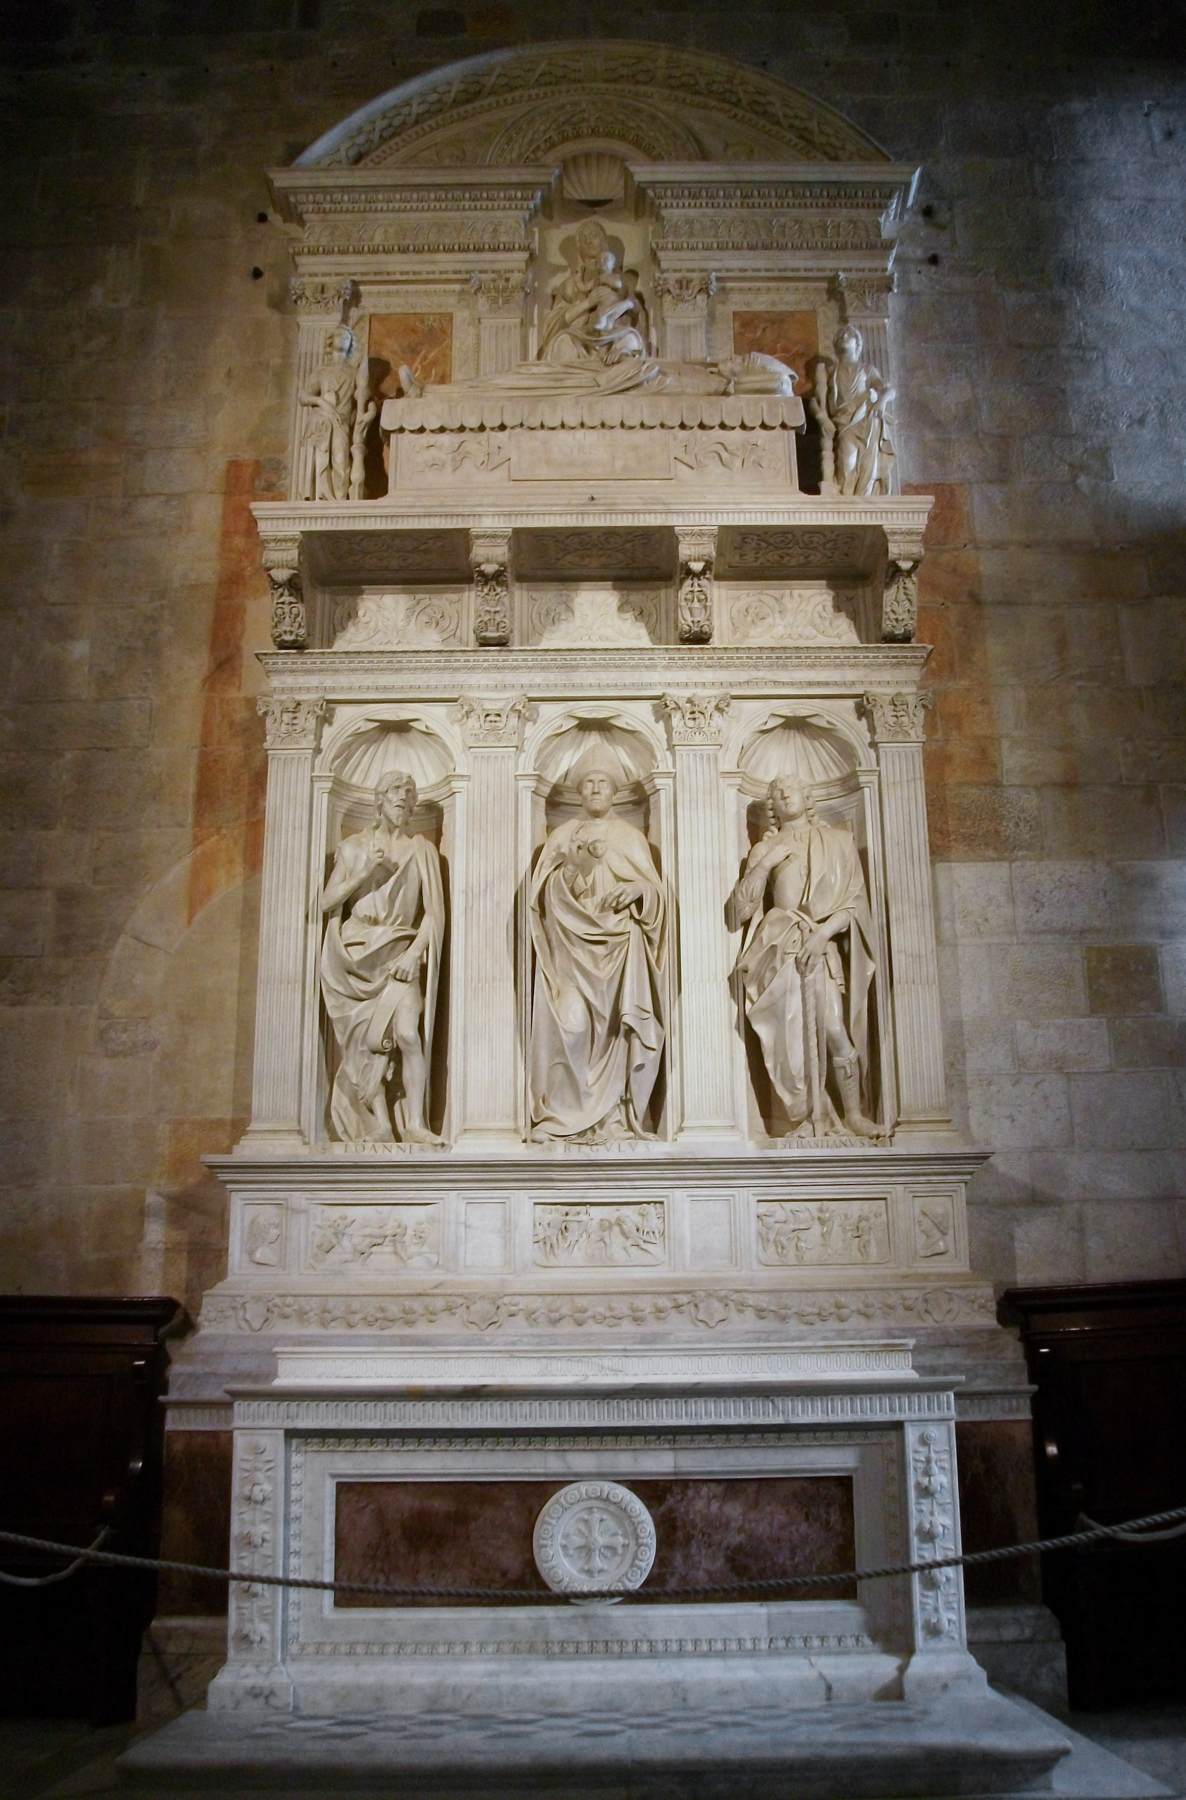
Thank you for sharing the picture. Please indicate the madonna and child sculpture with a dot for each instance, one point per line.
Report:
(594, 340)
(598, 924)
(801, 893)
(380, 967)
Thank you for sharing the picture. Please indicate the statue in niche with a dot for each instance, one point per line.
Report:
(801, 894)
(380, 966)
(595, 340)
(340, 413)
(598, 924)
(849, 403)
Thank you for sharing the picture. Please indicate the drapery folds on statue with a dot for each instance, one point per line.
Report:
(380, 969)
(801, 893)
(598, 925)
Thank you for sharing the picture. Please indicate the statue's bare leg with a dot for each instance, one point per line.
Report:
(846, 1069)
(406, 1032)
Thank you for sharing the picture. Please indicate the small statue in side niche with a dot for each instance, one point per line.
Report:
(801, 894)
(849, 402)
(341, 412)
(380, 965)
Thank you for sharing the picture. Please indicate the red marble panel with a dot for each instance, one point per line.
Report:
(791, 336)
(996, 1473)
(422, 340)
(195, 1519)
(478, 1533)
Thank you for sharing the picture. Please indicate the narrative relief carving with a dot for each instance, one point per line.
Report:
(380, 969)
(598, 925)
(807, 966)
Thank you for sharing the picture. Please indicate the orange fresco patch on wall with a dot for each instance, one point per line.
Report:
(424, 341)
(232, 770)
(791, 336)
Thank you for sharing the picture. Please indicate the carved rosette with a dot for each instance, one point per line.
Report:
(896, 718)
(490, 560)
(694, 603)
(594, 1537)
(282, 565)
(695, 719)
(291, 724)
(493, 724)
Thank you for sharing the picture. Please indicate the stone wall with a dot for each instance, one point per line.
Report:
(147, 357)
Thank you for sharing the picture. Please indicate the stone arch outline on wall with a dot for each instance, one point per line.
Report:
(472, 102)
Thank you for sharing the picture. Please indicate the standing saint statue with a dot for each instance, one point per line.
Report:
(340, 412)
(801, 894)
(380, 966)
(849, 404)
(598, 923)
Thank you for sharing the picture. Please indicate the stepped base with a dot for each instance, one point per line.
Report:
(695, 1745)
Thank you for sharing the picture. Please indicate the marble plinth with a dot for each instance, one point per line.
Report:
(713, 1733)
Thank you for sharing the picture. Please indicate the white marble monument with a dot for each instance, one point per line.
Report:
(599, 1128)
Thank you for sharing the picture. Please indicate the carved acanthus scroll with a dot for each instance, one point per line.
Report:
(282, 565)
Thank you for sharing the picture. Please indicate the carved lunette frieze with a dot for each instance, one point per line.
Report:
(291, 724)
(896, 718)
(282, 565)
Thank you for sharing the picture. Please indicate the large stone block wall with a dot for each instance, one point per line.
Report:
(147, 345)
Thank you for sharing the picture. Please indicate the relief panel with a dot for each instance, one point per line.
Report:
(599, 1234)
(374, 1239)
(822, 1233)
(403, 620)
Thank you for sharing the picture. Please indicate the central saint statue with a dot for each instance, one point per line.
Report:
(598, 923)
(594, 340)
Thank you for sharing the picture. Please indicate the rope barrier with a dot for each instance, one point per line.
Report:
(1129, 1532)
(38, 1581)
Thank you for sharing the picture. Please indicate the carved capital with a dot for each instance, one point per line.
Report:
(490, 559)
(695, 719)
(896, 718)
(498, 290)
(282, 565)
(311, 294)
(862, 296)
(493, 724)
(697, 546)
(686, 293)
(291, 724)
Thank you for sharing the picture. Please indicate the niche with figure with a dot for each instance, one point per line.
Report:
(595, 926)
(381, 953)
(806, 910)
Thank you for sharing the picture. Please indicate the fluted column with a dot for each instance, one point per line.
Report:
(500, 318)
(707, 1094)
(490, 1048)
(896, 722)
(280, 987)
